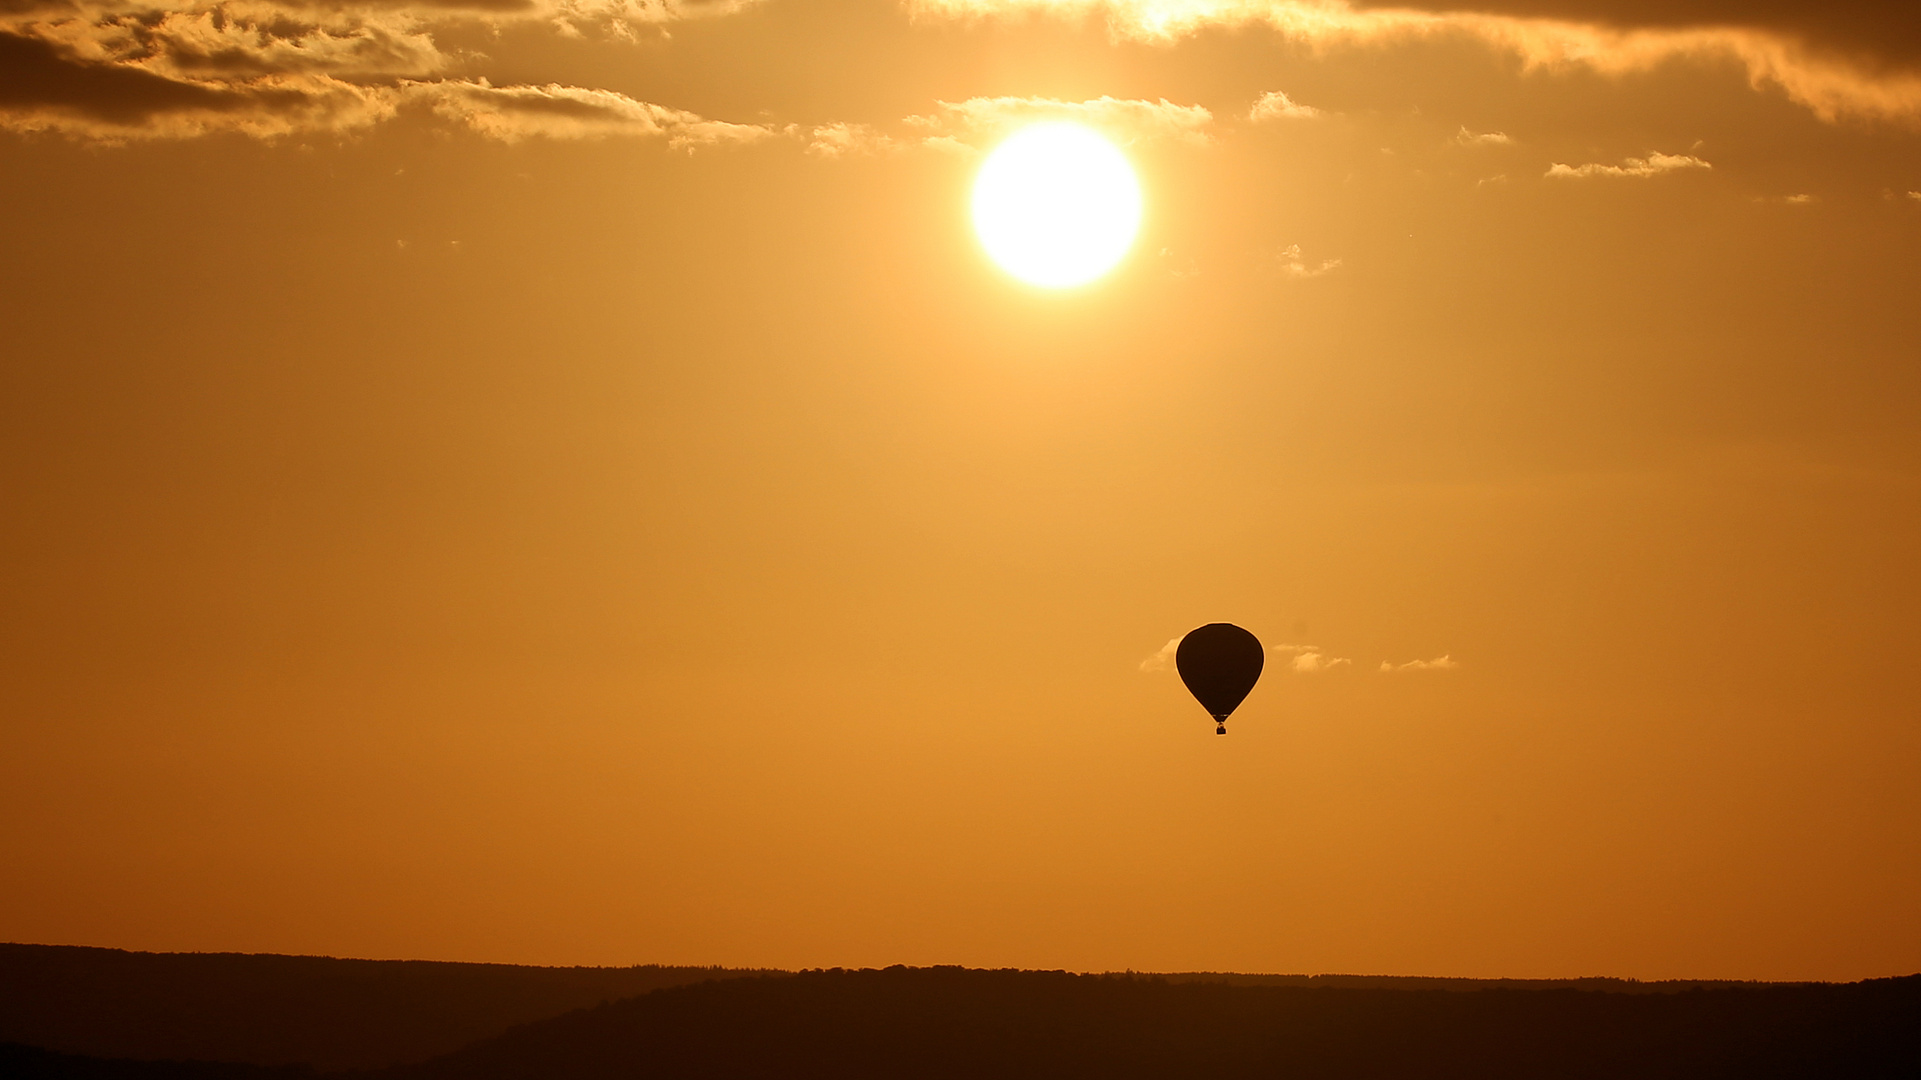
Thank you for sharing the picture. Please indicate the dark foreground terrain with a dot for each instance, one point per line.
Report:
(953, 1022)
(285, 1010)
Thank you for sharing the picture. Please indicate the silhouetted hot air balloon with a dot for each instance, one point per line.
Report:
(1220, 663)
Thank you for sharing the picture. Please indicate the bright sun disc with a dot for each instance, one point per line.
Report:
(1056, 205)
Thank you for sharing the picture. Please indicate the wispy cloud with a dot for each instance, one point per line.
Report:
(975, 122)
(1163, 660)
(1309, 662)
(839, 140)
(1179, 267)
(967, 127)
(1301, 659)
(1275, 105)
(1439, 663)
(1294, 265)
(1825, 81)
(513, 113)
(1309, 659)
(1653, 165)
(1486, 138)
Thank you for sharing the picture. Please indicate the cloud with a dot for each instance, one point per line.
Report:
(846, 140)
(1888, 30)
(1164, 659)
(48, 86)
(1293, 265)
(1653, 165)
(1309, 662)
(1182, 268)
(513, 113)
(1275, 105)
(1309, 659)
(978, 121)
(969, 126)
(1773, 52)
(1439, 663)
(1489, 138)
(122, 70)
(1301, 659)
(115, 70)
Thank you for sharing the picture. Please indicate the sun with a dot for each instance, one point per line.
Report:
(1056, 205)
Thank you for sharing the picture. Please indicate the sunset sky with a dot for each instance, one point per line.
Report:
(560, 481)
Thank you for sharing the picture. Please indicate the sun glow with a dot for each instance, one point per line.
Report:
(1056, 205)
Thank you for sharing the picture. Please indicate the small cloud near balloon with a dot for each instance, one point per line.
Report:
(1309, 659)
(1439, 663)
(1163, 660)
(1301, 659)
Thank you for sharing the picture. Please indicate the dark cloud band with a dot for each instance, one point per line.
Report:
(1886, 29)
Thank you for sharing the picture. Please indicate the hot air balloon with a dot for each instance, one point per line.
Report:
(1220, 663)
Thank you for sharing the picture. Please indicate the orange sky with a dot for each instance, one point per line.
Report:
(559, 482)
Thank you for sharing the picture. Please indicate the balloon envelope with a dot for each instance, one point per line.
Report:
(1220, 663)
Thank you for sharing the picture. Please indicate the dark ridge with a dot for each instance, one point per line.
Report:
(286, 1010)
(938, 1023)
(1603, 984)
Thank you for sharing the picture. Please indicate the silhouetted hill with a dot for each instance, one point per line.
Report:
(1434, 982)
(278, 1010)
(935, 1023)
(242, 1014)
(32, 1063)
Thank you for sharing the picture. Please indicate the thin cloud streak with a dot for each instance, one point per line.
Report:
(1439, 663)
(513, 113)
(838, 140)
(978, 121)
(1654, 164)
(970, 126)
(1309, 659)
(1486, 138)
